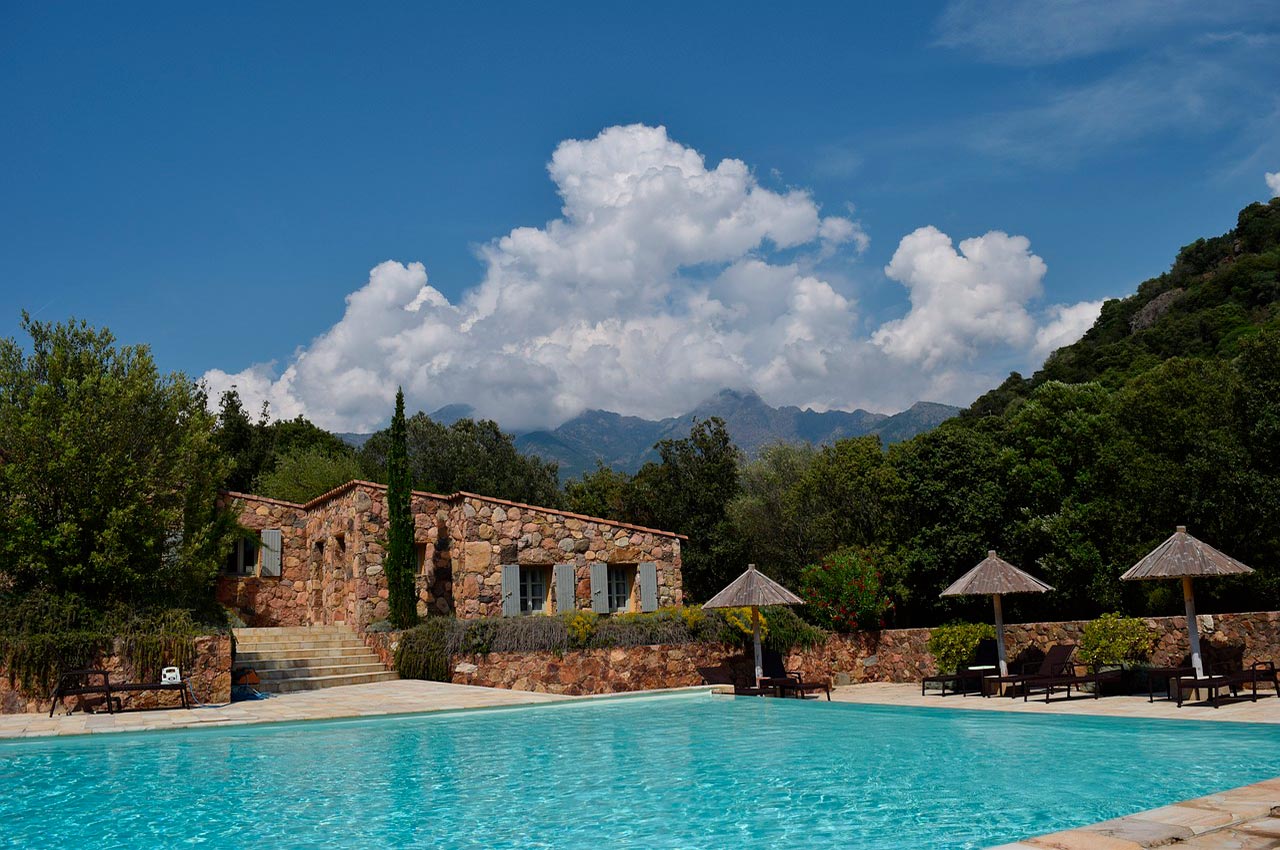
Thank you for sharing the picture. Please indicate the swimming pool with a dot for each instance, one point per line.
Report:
(679, 771)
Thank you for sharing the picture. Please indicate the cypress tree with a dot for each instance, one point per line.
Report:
(398, 565)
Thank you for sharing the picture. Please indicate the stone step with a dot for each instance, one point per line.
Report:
(244, 657)
(286, 645)
(310, 661)
(319, 670)
(311, 683)
(267, 631)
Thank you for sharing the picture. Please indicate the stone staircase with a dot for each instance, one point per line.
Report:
(304, 658)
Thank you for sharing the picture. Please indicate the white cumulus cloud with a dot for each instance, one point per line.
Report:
(1065, 323)
(1273, 183)
(961, 300)
(663, 280)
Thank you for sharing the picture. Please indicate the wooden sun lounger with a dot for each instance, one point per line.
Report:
(1258, 673)
(1052, 665)
(789, 681)
(984, 663)
(1067, 677)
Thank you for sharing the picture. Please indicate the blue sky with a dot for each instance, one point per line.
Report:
(215, 182)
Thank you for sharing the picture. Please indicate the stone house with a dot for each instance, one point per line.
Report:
(321, 562)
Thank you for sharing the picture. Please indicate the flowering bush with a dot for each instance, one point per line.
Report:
(845, 591)
(740, 618)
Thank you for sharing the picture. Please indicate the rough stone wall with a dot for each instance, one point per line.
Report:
(595, 671)
(210, 675)
(270, 601)
(892, 655)
(331, 563)
(496, 533)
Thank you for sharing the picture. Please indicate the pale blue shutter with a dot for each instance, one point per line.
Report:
(648, 574)
(565, 580)
(600, 587)
(271, 545)
(510, 590)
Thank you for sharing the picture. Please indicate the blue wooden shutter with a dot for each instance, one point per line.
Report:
(565, 582)
(600, 587)
(648, 574)
(271, 545)
(510, 590)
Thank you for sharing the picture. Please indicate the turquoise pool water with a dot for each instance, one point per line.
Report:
(689, 771)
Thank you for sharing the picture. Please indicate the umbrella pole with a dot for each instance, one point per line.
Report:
(1000, 653)
(1193, 630)
(755, 638)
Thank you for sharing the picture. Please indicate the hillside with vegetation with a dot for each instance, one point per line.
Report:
(1166, 412)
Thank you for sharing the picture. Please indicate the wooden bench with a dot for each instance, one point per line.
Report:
(79, 683)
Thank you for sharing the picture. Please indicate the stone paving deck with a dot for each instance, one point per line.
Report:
(404, 696)
(1265, 710)
(1245, 818)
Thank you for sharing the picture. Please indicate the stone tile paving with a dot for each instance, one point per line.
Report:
(396, 697)
(1246, 818)
(1265, 710)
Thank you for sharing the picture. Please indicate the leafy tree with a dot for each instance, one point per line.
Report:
(241, 440)
(476, 457)
(108, 474)
(398, 563)
(305, 473)
(255, 447)
(604, 492)
(688, 490)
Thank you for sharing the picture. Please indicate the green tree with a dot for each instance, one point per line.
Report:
(476, 457)
(108, 473)
(688, 490)
(305, 473)
(398, 563)
(604, 493)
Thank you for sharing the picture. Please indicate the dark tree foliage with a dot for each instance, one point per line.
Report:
(476, 457)
(108, 475)
(255, 448)
(398, 565)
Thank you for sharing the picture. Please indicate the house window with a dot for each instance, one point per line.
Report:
(242, 560)
(533, 590)
(621, 578)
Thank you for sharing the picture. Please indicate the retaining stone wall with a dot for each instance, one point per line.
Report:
(210, 675)
(892, 655)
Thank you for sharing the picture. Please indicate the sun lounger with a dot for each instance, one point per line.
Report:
(1233, 681)
(1067, 677)
(1052, 664)
(723, 674)
(788, 681)
(983, 663)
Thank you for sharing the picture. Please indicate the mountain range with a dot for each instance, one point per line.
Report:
(626, 443)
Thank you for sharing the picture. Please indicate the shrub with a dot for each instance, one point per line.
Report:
(1113, 639)
(46, 634)
(426, 651)
(954, 644)
(845, 591)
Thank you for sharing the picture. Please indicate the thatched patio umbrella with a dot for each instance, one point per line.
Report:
(751, 590)
(1182, 556)
(995, 577)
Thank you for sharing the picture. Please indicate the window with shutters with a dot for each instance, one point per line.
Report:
(242, 560)
(534, 588)
(621, 581)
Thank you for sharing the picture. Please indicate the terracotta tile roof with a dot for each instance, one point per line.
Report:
(456, 497)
